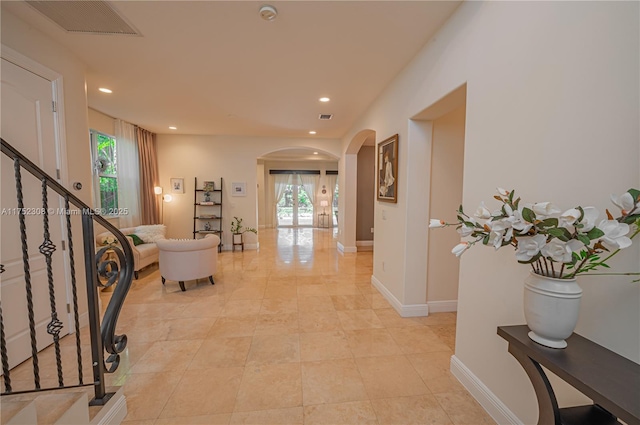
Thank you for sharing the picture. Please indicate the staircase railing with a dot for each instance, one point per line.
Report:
(100, 271)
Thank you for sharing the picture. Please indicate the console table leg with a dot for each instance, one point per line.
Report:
(548, 412)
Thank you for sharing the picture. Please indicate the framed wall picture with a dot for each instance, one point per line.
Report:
(238, 189)
(388, 170)
(177, 185)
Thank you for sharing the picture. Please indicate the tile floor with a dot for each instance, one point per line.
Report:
(291, 334)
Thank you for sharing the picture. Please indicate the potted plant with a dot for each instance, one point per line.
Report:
(237, 230)
(558, 246)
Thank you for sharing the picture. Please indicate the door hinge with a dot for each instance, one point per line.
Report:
(53, 106)
(64, 246)
(68, 308)
(58, 173)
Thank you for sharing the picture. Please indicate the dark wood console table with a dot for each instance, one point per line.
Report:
(610, 380)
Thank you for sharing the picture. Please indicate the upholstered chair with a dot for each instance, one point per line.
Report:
(191, 259)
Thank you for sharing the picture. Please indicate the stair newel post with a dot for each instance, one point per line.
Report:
(97, 351)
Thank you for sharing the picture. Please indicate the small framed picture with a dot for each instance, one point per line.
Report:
(388, 170)
(238, 189)
(177, 185)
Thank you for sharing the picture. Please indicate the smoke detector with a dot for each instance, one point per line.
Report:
(268, 12)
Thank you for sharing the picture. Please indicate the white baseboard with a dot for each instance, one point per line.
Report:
(442, 306)
(346, 249)
(364, 243)
(262, 226)
(483, 395)
(364, 246)
(114, 411)
(412, 310)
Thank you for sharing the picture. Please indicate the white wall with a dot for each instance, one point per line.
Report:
(101, 122)
(552, 111)
(211, 157)
(447, 156)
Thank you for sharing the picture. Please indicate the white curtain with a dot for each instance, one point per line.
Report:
(332, 180)
(128, 173)
(310, 183)
(280, 185)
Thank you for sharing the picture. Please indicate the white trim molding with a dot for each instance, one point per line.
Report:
(411, 310)
(442, 306)
(346, 249)
(363, 246)
(483, 395)
(114, 411)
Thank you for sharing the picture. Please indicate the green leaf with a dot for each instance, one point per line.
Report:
(584, 239)
(560, 233)
(581, 214)
(485, 240)
(532, 260)
(630, 219)
(635, 193)
(595, 233)
(528, 215)
(549, 222)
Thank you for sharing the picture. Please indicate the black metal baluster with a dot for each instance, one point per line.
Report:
(47, 249)
(27, 274)
(3, 349)
(74, 289)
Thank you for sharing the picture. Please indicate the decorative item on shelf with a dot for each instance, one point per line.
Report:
(207, 226)
(207, 203)
(209, 187)
(207, 197)
(559, 246)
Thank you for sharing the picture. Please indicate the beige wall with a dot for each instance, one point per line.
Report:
(101, 122)
(447, 160)
(366, 193)
(212, 157)
(551, 113)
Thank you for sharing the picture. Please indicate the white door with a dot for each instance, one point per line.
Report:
(28, 125)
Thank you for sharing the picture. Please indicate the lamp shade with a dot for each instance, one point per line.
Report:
(324, 203)
(157, 190)
(167, 198)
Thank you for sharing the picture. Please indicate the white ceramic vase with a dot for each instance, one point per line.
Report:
(551, 308)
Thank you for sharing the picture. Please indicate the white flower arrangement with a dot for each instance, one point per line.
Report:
(556, 244)
(109, 240)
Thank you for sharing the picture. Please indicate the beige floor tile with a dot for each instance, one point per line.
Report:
(359, 319)
(387, 377)
(332, 381)
(416, 410)
(342, 288)
(431, 365)
(417, 340)
(279, 305)
(391, 319)
(372, 342)
(221, 352)
(249, 292)
(315, 346)
(438, 319)
(277, 324)
(220, 419)
(350, 302)
(164, 356)
(147, 393)
(241, 307)
(312, 290)
(462, 409)
(446, 333)
(290, 416)
(192, 328)
(142, 422)
(268, 387)
(315, 303)
(283, 291)
(353, 413)
(204, 392)
(233, 326)
(207, 307)
(273, 349)
(319, 321)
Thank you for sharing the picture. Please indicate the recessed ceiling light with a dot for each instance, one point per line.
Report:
(315, 153)
(324, 99)
(312, 132)
(173, 128)
(103, 90)
(268, 12)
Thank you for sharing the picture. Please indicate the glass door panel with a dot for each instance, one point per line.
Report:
(294, 208)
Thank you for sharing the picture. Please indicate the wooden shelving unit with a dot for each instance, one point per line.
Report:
(207, 209)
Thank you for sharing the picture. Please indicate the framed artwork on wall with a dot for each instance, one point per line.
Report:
(177, 185)
(238, 189)
(388, 170)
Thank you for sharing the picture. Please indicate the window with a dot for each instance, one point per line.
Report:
(105, 169)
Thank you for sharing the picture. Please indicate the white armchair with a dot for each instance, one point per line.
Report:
(191, 259)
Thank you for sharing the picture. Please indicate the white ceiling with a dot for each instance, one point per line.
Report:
(215, 67)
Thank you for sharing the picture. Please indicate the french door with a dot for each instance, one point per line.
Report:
(295, 208)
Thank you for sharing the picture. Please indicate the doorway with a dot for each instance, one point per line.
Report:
(294, 208)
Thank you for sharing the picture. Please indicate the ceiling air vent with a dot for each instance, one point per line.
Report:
(325, 116)
(88, 17)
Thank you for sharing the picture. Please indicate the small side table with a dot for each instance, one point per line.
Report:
(237, 241)
(323, 220)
